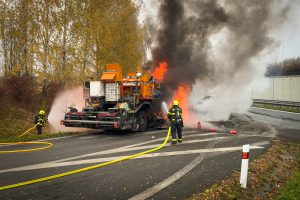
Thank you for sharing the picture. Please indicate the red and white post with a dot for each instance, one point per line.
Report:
(244, 167)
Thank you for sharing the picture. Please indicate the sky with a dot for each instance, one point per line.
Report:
(288, 35)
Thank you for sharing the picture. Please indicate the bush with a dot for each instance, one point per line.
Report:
(19, 90)
(2, 92)
(49, 91)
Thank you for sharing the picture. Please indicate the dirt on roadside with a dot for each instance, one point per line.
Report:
(266, 174)
(246, 125)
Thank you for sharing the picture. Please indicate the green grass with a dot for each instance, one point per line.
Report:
(282, 108)
(34, 137)
(16, 118)
(291, 190)
(14, 121)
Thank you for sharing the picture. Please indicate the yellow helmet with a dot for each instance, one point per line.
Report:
(42, 112)
(175, 102)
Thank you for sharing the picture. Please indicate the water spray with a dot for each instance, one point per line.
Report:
(164, 107)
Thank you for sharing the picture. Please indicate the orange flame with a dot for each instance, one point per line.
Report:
(160, 71)
(182, 93)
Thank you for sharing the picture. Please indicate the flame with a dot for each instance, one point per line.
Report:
(182, 94)
(160, 71)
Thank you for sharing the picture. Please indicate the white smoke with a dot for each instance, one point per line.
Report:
(230, 91)
(235, 63)
(60, 106)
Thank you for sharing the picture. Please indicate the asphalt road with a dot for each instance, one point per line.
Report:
(172, 172)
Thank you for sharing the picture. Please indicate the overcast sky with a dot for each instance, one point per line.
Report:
(289, 34)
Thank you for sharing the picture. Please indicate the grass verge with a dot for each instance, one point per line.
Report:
(275, 107)
(267, 174)
(14, 121)
(33, 137)
(291, 190)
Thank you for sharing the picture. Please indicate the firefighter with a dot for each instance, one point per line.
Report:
(175, 117)
(39, 121)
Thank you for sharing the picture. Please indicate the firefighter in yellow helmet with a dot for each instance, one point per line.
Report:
(39, 121)
(175, 117)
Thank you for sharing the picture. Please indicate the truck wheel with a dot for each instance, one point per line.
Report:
(141, 122)
(135, 127)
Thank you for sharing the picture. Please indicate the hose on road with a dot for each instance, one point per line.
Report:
(48, 144)
(86, 168)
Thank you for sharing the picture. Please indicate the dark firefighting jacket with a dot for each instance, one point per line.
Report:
(175, 115)
(39, 120)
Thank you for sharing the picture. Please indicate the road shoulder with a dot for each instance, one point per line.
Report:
(267, 174)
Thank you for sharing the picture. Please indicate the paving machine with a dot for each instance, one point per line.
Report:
(119, 102)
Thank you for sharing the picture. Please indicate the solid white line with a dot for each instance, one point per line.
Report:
(165, 183)
(158, 187)
(119, 149)
(116, 150)
(87, 137)
(57, 138)
(100, 160)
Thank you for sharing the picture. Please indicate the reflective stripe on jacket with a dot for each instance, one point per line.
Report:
(40, 120)
(175, 114)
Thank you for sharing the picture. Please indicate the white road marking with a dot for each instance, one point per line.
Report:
(116, 150)
(261, 143)
(165, 183)
(119, 149)
(158, 187)
(87, 137)
(154, 132)
(58, 138)
(100, 160)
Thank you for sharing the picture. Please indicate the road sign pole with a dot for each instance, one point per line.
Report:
(244, 167)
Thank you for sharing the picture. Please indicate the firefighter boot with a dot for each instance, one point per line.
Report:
(174, 141)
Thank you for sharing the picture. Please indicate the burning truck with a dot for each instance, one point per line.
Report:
(119, 102)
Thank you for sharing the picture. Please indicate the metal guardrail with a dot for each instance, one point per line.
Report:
(276, 113)
(277, 103)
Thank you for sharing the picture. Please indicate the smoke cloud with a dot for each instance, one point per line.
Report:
(60, 106)
(214, 46)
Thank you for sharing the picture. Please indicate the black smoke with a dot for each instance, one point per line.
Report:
(184, 32)
(177, 39)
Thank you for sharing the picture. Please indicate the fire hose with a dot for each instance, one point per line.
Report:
(86, 168)
(48, 144)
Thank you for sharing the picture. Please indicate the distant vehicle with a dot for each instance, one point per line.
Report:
(119, 102)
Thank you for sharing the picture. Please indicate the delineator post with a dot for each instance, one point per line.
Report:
(244, 166)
